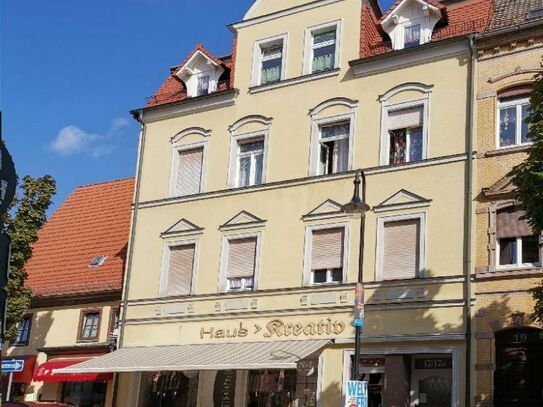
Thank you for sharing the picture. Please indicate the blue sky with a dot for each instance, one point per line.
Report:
(72, 69)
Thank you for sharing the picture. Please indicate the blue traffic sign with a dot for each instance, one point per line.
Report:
(13, 365)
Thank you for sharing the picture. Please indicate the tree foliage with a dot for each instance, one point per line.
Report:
(22, 223)
(528, 180)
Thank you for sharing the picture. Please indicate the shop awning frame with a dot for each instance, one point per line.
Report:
(219, 356)
(47, 372)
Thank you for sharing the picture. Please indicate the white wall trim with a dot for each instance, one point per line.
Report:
(380, 242)
(190, 130)
(256, 70)
(223, 264)
(308, 44)
(308, 247)
(163, 286)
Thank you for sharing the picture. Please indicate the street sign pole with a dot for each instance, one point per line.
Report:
(10, 382)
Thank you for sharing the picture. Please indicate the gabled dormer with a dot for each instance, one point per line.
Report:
(200, 72)
(410, 23)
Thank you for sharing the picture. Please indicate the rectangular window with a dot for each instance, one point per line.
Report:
(240, 271)
(405, 129)
(249, 162)
(513, 129)
(189, 171)
(90, 326)
(327, 255)
(203, 85)
(271, 64)
(517, 246)
(23, 332)
(412, 36)
(334, 148)
(323, 48)
(179, 389)
(401, 249)
(180, 269)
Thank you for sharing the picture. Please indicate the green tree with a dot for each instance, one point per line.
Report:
(528, 180)
(22, 223)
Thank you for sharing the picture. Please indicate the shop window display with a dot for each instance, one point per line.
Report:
(169, 389)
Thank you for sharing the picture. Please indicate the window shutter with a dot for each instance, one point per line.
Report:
(401, 249)
(405, 118)
(241, 257)
(327, 249)
(180, 269)
(189, 172)
(509, 224)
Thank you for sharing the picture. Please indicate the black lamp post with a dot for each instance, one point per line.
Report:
(357, 209)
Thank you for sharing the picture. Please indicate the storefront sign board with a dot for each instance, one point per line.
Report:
(356, 393)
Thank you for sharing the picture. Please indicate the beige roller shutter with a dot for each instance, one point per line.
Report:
(405, 118)
(509, 224)
(327, 249)
(189, 174)
(241, 257)
(401, 249)
(180, 269)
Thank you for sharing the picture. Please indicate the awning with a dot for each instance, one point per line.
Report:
(224, 356)
(25, 376)
(47, 372)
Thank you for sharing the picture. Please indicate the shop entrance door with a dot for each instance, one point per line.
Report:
(519, 356)
(431, 382)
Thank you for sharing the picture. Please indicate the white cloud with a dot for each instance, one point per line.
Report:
(72, 140)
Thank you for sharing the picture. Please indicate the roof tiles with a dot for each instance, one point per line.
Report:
(93, 221)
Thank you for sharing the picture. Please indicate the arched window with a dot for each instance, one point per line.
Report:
(519, 357)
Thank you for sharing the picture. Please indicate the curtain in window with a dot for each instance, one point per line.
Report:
(401, 249)
(415, 144)
(203, 85)
(189, 172)
(327, 249)
(180, 269)
(509, 224)
(398, 146)
(271, 65)
(244, 171)
(241, 257)
(324, 51)
(508, 126)
(412, 36)
(341, 155)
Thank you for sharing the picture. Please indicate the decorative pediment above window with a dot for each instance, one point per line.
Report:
(502, 188)
(411, 22)
(242, 220)
(200, 72)
(402, 200)
(327, 209)
(181, 228)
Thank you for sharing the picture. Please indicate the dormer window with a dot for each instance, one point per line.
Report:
(203, 85)
(412, 36)
(201, 72)
(411, 23)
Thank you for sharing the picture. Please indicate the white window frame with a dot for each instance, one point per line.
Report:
(308, 274)
(236, 141)
(517, 103)
(225, 249)
(308, 47)
(519, 264)
(385, 135)
(316, 138)
(421, 216)
(259, 47)
(163, 287)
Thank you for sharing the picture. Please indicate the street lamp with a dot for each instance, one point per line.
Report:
(356, 209)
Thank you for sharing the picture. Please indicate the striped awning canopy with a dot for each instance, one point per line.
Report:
(223, 356)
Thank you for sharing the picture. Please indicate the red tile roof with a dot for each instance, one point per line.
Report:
(173, 89)
(462, 18)
(93, 221)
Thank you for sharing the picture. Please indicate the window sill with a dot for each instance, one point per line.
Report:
(512, 272)
(508, 150)
(83, 341)
(294, 81)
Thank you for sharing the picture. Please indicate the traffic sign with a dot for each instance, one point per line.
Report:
(356, 393)
(13, 365)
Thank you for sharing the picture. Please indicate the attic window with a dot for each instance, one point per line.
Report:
(97, 261)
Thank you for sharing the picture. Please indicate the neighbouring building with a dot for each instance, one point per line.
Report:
(76, 277)
(241, 265)
(508, 345)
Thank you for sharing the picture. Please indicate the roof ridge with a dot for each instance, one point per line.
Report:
(104, 182)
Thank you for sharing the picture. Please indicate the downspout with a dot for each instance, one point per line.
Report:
(470, 131)
(138, 115)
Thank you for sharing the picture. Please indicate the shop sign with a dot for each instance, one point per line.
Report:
(276, 328)
(356, 393)
(433, 363)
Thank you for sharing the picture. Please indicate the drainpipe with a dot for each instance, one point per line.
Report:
(138, 115)
(470, 131)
